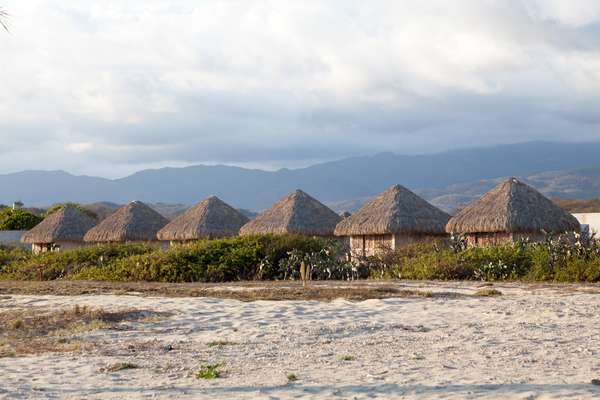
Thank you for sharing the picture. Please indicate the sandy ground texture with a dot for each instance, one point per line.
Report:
(533, 342)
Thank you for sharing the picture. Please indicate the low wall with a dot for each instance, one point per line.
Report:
(12, 238)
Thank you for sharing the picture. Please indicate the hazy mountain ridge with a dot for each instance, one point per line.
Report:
(447, 179)
(576, 184)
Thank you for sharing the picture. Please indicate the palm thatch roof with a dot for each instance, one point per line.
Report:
(512, 206)
(211, 218)
(66, 224)
(135, 222)
(397, 210)
(295, 213)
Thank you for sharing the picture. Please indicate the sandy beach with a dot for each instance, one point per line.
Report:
(532, 342)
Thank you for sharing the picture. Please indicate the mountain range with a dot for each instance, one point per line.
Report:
(448, 179)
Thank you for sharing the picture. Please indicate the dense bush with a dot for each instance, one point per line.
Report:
(234, 259)
(240, 258)
(559, 258)
(9, 255)
(270, 257)
(66, 264)
(17, 220)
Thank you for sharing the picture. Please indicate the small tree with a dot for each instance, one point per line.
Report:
(17, 220)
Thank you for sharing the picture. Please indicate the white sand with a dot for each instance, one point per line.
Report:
(527, 344)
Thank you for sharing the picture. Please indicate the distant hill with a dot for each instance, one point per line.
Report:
(102, 209)
(105, 208)
(579, 206)
(576, 191)
(571, 187)
(447, 179)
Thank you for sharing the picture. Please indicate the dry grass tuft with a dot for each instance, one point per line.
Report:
(42, 330)
(487, 293)
(243, 291)
(221, 343)
(120, 367)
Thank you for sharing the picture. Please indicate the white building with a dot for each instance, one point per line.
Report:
(589, 220)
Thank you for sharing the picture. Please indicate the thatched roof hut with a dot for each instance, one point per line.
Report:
(395, 211)
(67, 224)
(135, 222)
(295, 213)
(512, 207)
(211, 218)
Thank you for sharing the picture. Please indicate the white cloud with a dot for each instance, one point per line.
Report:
(573, 13)
(79, 148)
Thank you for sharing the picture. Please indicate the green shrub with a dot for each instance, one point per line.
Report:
(17, 220)
(422, 261)
(224, 260)
(209, 371)
(440, 265)
(510, 261)
(66, 264)
(9, 255)
(541, 266)
(271, 257)
(556, 259)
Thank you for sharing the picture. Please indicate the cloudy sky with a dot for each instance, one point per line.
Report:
(108, 87)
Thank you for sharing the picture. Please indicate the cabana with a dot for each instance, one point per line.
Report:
(394, 218)
(296, 213)
(510, 212)
(134, 222)
(211, 218)
(62, 229)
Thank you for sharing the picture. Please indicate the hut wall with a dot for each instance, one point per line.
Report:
(406, 239)
(58, 246)
(372, 245)
(500, 238)
(38, 248)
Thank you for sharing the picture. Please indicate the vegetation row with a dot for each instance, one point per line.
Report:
(270, 257)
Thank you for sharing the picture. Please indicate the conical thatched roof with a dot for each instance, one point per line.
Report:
(397, 210)
(512, 206)
(210, 218)
(133, 222)
(67, 224)
(296, 213)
